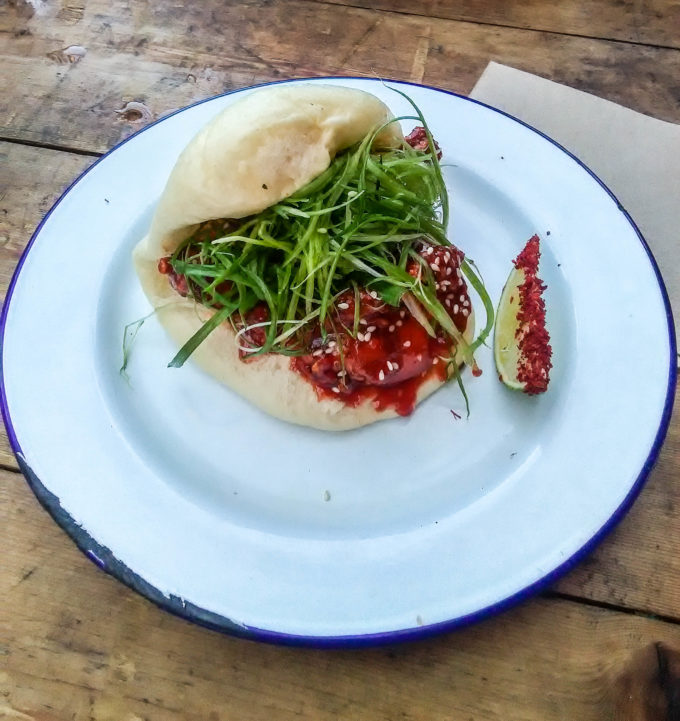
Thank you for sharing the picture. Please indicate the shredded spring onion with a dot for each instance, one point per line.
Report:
(356, 225)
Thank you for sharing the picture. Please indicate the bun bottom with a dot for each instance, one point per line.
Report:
(268, 382)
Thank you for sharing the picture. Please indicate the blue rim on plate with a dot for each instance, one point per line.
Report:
(105, 560)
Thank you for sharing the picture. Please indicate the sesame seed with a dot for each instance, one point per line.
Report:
(448, 271)
(317, 353)
(447, 256)
(342, 374)
(419, 357)
(430, 250)
(367, 337)
(466, 302)
(389, 365)
(435, 268)
(343, 306)
(399, 323)
(407, 344)
(362, 321)
(370, 328)
(462, 298)
(332, 344)
(373, 295)
(458, 273)
(336, 389)
(395, 366)
(402, 314)
(360, 336)
(435, 361)
(329, 350)
(391, 329)
(465, 311)
(455, 308)
(448, 301)
(381, 375)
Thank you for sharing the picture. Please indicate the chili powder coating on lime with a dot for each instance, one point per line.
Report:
(535, 352)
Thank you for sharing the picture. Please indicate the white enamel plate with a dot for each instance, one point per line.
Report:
(408, 527)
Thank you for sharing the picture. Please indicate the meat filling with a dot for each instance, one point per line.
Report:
(389, 356)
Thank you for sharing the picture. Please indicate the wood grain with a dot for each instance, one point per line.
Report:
(165, 56)
(654, 22)
(648, 689)
(76, 644)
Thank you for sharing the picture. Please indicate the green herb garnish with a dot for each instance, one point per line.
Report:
(355, 226)
(358, 225)
(129, 335)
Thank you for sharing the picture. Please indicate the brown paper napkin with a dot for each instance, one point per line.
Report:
(636, 156)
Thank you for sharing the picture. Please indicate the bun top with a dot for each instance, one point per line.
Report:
(260, 150)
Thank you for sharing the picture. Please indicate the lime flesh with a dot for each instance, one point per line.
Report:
(505, 340)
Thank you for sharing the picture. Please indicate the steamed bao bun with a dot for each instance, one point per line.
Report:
(255, 153)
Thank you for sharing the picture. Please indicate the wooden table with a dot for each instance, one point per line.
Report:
(76, 644)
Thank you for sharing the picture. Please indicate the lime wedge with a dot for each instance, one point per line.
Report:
(505, 341)
(521, 345)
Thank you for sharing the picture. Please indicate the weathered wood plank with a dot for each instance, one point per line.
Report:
(654, 22)
(31, 179)
(76, 644)
(166, 56)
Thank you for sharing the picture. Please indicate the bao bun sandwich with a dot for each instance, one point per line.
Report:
(299, 255)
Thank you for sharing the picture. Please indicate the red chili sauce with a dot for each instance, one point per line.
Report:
(391, 355)
(177, 280)
(535, 354)
(418, 140)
